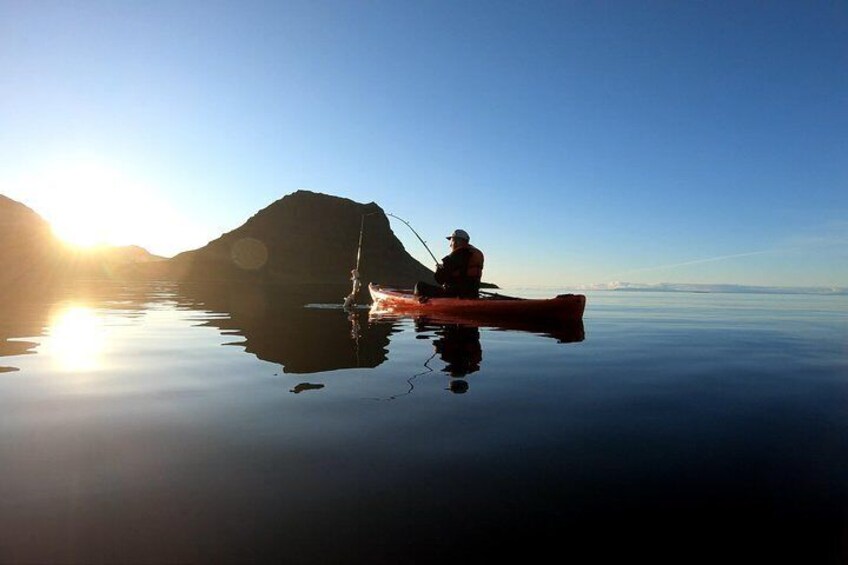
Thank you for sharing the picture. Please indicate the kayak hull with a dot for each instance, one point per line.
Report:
(565, 307)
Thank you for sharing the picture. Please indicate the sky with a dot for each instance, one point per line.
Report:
(577, 142)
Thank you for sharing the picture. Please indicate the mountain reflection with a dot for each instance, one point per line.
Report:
(64, 319)
(20, 321)
(67, 323)
(277, 327)
(301, 328)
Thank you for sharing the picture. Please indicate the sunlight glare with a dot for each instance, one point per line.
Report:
(84, 203)
(89, 203)
(77, 340)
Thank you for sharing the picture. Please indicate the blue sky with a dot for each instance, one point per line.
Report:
(578, 142)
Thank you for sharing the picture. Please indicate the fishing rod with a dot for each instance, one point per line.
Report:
(356, 285)
(359, 248)
(492, 294)
(416, 235)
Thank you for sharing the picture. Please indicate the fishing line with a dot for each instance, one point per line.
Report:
(412, 378)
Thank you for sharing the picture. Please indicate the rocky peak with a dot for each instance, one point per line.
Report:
(307, 237)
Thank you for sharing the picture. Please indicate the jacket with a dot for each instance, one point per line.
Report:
(461, 272)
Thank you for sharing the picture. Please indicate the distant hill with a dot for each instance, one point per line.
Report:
(108, 262)
(305, 237)
(716, 288)
(32, 257)
(29, 252)
(127, 254)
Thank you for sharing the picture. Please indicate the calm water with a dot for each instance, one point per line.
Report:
(161, 423)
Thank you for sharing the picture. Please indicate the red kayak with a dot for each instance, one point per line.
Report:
(495, 307)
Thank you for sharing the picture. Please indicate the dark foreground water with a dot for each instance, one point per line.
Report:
(158, 423)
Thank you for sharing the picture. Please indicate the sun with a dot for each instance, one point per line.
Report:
(84, 207)
(79, 228)
(90, 201)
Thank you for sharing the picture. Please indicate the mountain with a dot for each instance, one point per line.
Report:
(29, 252)
(302, 238)
(305, 237)
(127, 254)
(33, 258)
(125, 262)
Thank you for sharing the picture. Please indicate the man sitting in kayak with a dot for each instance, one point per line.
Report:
(458, 274)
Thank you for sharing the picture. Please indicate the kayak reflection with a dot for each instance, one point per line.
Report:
(458, 346)
(561, 331)
(457, 339)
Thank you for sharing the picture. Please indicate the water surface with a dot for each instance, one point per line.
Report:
(157, 422)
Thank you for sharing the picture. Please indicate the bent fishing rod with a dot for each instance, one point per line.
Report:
(492, 294)
(424, 243)
(349, 300)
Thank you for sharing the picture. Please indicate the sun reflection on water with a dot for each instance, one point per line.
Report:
(77, 339)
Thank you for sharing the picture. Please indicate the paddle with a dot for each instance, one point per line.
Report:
(500, 296)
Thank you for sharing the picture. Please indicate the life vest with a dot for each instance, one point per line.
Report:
(475, 264)
(466, 272)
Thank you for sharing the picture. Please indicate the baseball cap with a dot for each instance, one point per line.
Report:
(459, 234)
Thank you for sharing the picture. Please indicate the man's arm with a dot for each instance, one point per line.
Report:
(451, 269)
(441, 273)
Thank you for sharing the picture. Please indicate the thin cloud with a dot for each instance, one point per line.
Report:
(831, 234)
(700, 261)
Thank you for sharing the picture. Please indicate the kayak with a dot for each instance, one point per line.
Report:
(564, 307)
